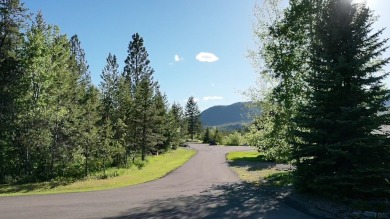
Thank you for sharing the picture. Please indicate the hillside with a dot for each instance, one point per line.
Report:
(230, 117)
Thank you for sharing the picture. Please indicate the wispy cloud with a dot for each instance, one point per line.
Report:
(177, 58)
(206, 57)
(212, 98)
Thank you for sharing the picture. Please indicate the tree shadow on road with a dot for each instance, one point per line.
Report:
(238, 200)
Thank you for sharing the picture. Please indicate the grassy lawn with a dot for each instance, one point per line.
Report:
(251, 167)
(156, 167)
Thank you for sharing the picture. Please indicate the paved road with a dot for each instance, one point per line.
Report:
(204, 187)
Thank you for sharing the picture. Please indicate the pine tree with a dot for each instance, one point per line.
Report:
(109, 143)
(160, 121)
(192, 115)
(139, 75)
(12, 20)
(137, 63)
(80, 65)
(44, 138)
(176, 128)
(89, 128)
(109, 88)
(340, 153)
(126, 131)
(206, 136)
(145, 115)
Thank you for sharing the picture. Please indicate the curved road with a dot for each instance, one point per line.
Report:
(204, 187)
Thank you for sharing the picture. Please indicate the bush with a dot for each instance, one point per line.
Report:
(234, 139)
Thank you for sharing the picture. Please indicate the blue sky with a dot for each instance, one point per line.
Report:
(175, 33)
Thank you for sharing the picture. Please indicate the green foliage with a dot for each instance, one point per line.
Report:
(280, 179)
(245, 156)
(13, 18)
(269, 136)
(217, 136)
(55, 124)
(285, 39)
(207, 137)
(155, 168)
(234, 139)
(338, 152)
(176, 126)
(321, 95)
(192, 114)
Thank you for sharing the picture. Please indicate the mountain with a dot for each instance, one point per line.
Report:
(229, 118)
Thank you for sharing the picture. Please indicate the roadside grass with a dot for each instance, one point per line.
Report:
(155, 168)
(245, 156)
(251, 167)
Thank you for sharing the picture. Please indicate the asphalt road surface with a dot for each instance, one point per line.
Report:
(204, 187)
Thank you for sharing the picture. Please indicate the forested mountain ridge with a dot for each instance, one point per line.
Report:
(229, 117)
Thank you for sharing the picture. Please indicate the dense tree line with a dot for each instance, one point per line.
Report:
(55, 123)
(325, 106)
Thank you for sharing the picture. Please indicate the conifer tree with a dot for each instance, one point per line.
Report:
(126, 131)
(80, 65)
(12, 20)
(176, 128)
(109, 87)
(160, 121)
(110, 113)
(340, 152)
(192, 114)
(206, 136)
(139, 75)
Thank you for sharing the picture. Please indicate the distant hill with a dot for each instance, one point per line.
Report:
(231, 117)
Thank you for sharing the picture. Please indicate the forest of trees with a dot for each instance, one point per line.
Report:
(323, 97)
(55, 123)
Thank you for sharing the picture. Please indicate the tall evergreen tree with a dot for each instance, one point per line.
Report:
(139, 75)
(145, 115)
(109, 143)
(339, 150)
(207, 137)
(12, 20)
(176, 128)
(192, 114)
(109, 88)
(160, 121)
(80, 65)
(137, 63)
(126, 130)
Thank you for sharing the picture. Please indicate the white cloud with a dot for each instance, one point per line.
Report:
(212, 98)
(206, 57)
(177, 58)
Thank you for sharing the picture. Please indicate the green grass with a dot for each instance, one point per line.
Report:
(157, 167)
(279, 178)
(244, 156)
(251, 167)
